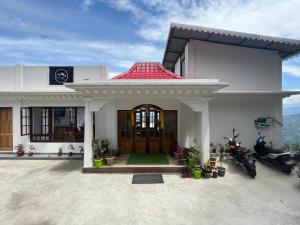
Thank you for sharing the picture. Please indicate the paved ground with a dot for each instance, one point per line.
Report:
(56, 192)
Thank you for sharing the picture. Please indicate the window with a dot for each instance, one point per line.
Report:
(57, 124)
(25, 121)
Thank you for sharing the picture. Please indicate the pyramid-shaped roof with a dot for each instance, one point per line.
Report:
(147, 70)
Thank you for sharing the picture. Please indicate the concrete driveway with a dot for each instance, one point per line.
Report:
(56, 192)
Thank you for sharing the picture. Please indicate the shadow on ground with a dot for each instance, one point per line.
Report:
(67, 166)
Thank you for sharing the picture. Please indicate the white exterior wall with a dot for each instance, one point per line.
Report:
(245, 69)
(240, 114)
(36, 78)
(8, 79)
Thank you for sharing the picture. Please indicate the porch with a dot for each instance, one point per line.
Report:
(146, 116)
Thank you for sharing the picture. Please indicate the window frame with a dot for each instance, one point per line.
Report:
(25, 128)
(47, 133)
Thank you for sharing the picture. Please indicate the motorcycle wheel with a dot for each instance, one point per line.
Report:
(252, 173)
(286, 169)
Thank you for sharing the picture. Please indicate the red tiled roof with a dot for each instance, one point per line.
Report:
(147, 70)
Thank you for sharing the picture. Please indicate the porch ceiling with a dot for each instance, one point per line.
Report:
(148, 88)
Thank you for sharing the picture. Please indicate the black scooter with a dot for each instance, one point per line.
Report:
(279, 158)
(241, 154)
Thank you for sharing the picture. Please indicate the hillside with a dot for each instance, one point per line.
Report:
(291, 110)
(291, 128)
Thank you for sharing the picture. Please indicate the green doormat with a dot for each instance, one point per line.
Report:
(147, 159)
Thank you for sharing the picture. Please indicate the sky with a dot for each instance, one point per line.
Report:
(120, 32)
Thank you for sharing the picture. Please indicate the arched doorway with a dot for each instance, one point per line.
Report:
(147, 128)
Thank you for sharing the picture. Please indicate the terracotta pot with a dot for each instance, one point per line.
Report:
(215, 174)
(30, 153)
(189, 173)
(70, 153)
(59, 153)
(212, 163)
(20, 153)
(184, 173)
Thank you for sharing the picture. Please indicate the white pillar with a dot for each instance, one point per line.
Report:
(88, 129)
(205, 133)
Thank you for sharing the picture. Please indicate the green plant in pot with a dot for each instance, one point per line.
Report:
(98, 158)
(60, 151)
(20, 150)
(110, 158)
(71, 150)
(194, 155)
(31, 149)
(207, 170)
(221, 169)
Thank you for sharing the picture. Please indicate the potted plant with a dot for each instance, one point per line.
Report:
(98, 158)
(194, 155)
(105, 144)
(221, 169)
(60, 151)
(197, 172)
(207, 170)
(81, 150)
(213, 161)
(31, 149)
(20, 150)
(215, 174)
(179, 155)
(71, 150)
(110, 158)
(184, 172)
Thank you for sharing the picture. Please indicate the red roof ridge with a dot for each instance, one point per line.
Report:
(147, 70)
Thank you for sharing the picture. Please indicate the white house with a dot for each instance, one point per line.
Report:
(220, 80)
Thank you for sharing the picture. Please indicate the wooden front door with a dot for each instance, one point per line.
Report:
(6, 131)
(147, 132)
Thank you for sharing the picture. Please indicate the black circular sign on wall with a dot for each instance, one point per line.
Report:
(61, 76)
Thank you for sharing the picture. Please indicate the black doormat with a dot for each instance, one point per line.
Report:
(147, 179)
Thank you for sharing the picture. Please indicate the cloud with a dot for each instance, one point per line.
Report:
(83, 52)
(292, 70)
(269, 17)
(292, 101)
(86, 4)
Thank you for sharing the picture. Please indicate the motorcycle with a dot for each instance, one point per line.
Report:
(241, 154)
(279, 158)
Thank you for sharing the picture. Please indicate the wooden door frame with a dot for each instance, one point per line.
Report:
(12, 123)
(132, 131)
